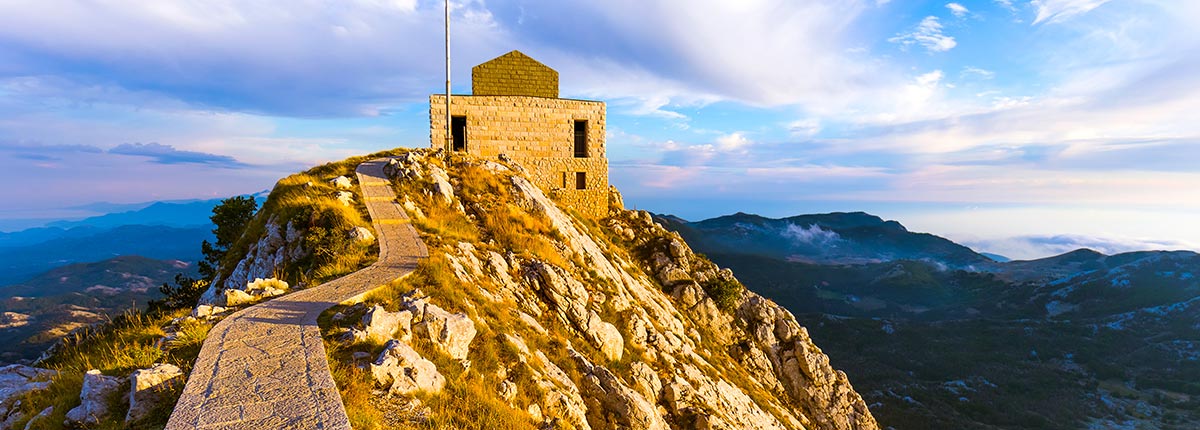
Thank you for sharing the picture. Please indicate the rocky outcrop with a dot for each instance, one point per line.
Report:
(148, 389)
(612, 404)
(277, 246)
(15, 382)
(632, 329)
(93, 399)
(380, 326)
(450, 333)
(402, 370)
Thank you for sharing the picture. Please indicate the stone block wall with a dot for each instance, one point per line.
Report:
(539, 134)
(514, 74)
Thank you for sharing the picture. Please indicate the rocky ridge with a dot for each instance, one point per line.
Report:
(613, 323)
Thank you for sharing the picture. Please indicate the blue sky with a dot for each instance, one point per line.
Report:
(1017, 126)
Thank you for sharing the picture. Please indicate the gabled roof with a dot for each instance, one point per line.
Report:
(514, 74)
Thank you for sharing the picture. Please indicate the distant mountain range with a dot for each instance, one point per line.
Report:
(834, 238)
(158, 230)
(72, 273)
(937, 336)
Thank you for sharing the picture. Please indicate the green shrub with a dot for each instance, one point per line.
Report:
(184, 294)
(726, 292)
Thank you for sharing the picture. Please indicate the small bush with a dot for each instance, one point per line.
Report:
(726, 292)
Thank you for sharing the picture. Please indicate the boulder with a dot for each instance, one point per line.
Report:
(148, 388)
(441, 184)
(238, 298)
(403, 371)
(450, 333)
(346, 198)
(204, 311)
(341, 182)
(93, 399)
(605, 336)
(362, 234)
(269, 287)
(381, 325)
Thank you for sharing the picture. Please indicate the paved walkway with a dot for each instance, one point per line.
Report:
(264, 367)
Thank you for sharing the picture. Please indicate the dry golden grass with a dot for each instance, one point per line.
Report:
(296, 198)
(116, 349)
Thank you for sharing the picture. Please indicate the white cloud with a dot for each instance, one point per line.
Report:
(978, 73)
(1042, 246)
(928, 34)
(1051, 11)
(957, 9)
(811, 235)
(807, 127)
(733, 142)
(1007, 4)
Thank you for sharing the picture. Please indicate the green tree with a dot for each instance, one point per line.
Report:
(230, 217)
(184, 294)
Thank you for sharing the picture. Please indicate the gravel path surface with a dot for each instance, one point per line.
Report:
(264, 367)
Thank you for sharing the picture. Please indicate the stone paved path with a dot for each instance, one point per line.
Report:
(264, 367)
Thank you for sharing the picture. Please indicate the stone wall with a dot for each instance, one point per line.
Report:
(537, 133)
(514, 74)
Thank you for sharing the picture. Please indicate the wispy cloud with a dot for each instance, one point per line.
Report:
(166, 154)
(928, 34)
(957, 9)
(978, 73)
(1050, 11)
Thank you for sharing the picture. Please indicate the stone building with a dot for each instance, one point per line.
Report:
(514, 110)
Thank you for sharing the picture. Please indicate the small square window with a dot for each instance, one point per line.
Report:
(581, 180)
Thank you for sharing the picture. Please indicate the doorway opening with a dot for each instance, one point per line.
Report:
(458, 132)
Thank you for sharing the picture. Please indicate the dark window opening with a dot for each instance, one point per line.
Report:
(581, 150)
(580, 180)
(458, 132)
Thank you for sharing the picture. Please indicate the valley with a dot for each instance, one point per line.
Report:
(938, 336)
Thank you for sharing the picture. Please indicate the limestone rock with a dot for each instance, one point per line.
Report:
(205, 311)
(238, 298)
(346, 198)
(269, 287)
(606, 337)
(148, 388)
(403, 371)
(450, 333)
(645, 380)
(614, 199)
(612, 404)
(16, 380)
(507, 390)
(277, 246)
(362, 234)
(381, 325)
(93, 399)
(441, 184)
(342, 182)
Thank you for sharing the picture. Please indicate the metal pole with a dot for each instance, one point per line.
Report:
(449, 135)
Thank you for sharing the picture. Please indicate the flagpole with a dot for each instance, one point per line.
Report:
(449, 136)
